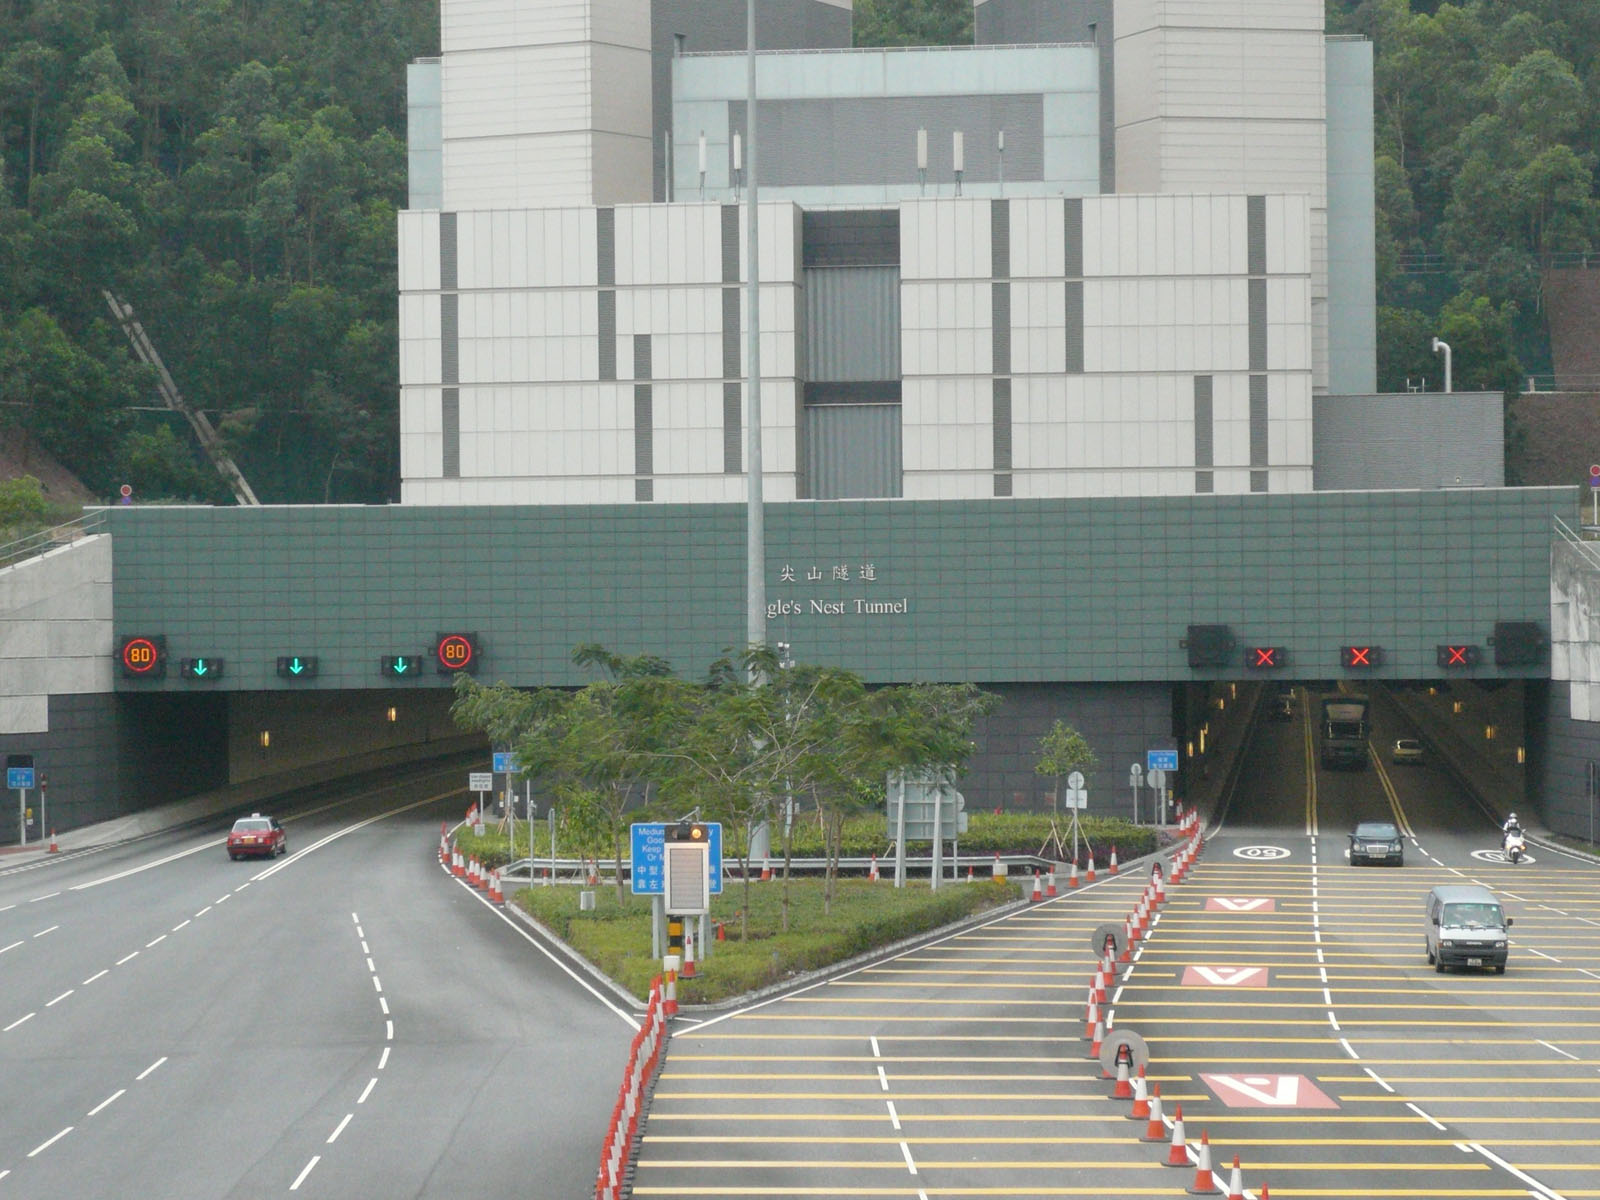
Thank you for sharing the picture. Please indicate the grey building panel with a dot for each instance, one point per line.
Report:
(874, 140)
(1000, 239)
(732, 360)
(1074, 326)
(732, 428)
(447, 251)
(852, 319)
(1408, 440)
(1205, 483)
(1256, 234)
(606, 313)
(643, 431)
(644, 490)
(450, 425)
(1001, 422)
(1204, 426)
(1352, 279)
(450, 338)
(853, 451)
(708, 25)
(641, 356)
(1000, 327)
(1257, 293)
(605, 246)
(1258, 421)
(730, 244)
(850, 237)
(1258, 481)
(1073, 229)
(1002, 484)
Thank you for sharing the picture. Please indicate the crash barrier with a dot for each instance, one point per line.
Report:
(644, 1061)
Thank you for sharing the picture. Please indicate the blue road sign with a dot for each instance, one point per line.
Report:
(505, 762)
(1160, 760)
(648, 848)
(19, 777)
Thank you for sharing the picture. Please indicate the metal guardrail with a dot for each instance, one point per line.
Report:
(36, 544)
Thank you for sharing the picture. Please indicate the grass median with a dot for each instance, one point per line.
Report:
(863, 916)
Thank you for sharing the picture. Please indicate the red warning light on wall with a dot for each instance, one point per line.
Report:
(1355, 658)
(1265, 658)
(456, 652)
(1456, 656)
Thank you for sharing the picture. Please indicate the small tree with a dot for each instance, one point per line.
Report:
(1062, 751)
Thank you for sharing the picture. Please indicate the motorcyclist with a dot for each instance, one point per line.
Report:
(1511, 826)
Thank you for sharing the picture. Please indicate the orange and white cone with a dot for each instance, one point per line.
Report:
(1141, 1098)
(1155, 1129)
(766, 870)
(54, 849)
(1091, 1019)
(1178, 1151)
(496, 896)
(1050, 884)
(1113, 867)
(1072, 875)
(1099, 1038)
(872, 872)
(1236, 1184)
(1089, 875)
(1203, 1184)
(1037, 894)
(969, 872)
(669, 1003)
(1124, 1086)
(458, 864)
(1097, 989)
(688, 953)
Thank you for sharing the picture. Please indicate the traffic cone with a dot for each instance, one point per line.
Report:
(1037, 894)
(1099, 1037)
(1178, 1151)
(1050, 884)
(458, 864)
(496, 896)
(54, 849)
(688, 953)
(1072, 875)
(1156, 1129)
(1141, 1098)
(1203, 1184)
(1236, 1184)
(1098, 988)
(722, 932)
(872, 872)
(669, 1003)
(969, 872)
(1091, 1019)
(1113, 867)
(1089, 875)
(766, 870)
(1124, 1088)
(1127, 942)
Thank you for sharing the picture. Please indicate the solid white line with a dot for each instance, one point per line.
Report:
(1334, 1021)
(1424, 1116)
(160, 939)
(7, 908)
(911, 1164)
(17, 1022)
(1589, 973)
(367, 1091)
(46, 896)
(160, 862)
(61, 997)
(181, 924)
(13, 946)
(1541, 954)
(894, 1117)
(1542, 1189)
(1349, 1049)
(96, 975)
(1558, 1050)
(42, 932)
(107, 1100)
(383, 1059)
(334, 1136)
(1376, 1080)
(883, 1079)
(126, 958)
(42, 1146)
(301, 1178)
(140, 1076)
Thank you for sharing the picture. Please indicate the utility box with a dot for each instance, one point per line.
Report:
(686, 870)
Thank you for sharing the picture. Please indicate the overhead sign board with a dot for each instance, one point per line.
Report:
(505, 763)
(19, 777)
(647, 844)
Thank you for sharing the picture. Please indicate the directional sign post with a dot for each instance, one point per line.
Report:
(19, 775)
(1594, 494)
(1157, 778)
(1135, 775)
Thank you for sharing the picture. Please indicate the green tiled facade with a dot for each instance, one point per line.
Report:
(1059, 591)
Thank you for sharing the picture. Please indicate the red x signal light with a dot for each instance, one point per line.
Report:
(1357, 657)
(1265, 658)
(1456, 656)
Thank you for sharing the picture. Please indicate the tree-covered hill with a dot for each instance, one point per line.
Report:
(231, 168)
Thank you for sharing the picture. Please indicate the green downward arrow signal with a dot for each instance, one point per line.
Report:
(400, 665)
(296, 666)
(200, 667)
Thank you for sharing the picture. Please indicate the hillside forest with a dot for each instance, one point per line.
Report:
(232, 169)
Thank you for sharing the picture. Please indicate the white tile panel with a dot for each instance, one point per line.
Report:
(418, 246)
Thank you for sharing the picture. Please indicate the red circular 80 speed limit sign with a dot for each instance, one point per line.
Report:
(455, 651)
(140, 656)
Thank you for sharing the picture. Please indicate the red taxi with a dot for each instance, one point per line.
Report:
(256, 834)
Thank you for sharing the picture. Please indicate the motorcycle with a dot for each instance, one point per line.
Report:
(1514, 846)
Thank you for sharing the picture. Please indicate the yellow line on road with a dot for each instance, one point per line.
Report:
(1219, 1118)
(764, 1190)
(698, 1139)
(959, 1164)
(1311, 769)
(1394, 797)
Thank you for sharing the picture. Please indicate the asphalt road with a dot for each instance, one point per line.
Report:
(345, 1021)
(1284, 995)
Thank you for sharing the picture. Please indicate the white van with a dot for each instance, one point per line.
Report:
(1466, 928)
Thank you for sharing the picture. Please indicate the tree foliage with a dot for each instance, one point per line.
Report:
(232, 170)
